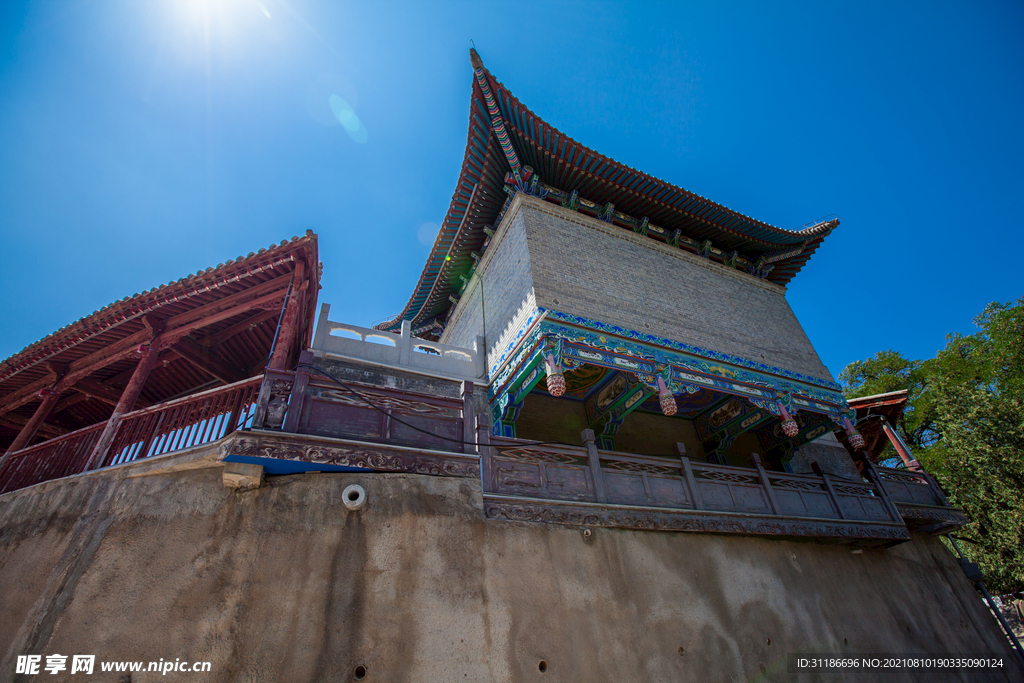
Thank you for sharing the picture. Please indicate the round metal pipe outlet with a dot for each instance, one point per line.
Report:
(354, 497)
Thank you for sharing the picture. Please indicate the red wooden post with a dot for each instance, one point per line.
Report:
(901, 449)
(124, 405)
(289, 322)
(36, 421)
(32, 426)
(236, 408)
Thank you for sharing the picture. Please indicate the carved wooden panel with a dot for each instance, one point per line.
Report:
(343, 420)
(443, 434)
(804, 503)
(541, 480)
(862, 507)
(379, 457)
(730, 489)
(568, 483)
(347, 420)
(518, 477)
(750, 499)
(625, 487)
(398, 404)
(669, 491)
(907, 487)
(933, 519)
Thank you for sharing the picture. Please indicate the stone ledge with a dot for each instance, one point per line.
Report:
(342, 452)
(517, 509)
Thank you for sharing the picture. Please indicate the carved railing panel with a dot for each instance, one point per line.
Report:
(905, 486)
(831, 507)
(802, 496)
(558, 472)
(859, 501)
(920, 501)
(726, 488)
(642, 480)
(319, 406)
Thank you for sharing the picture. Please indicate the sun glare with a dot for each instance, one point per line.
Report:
(224, 13)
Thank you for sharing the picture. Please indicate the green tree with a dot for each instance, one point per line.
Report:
(965, 423)
(978, 388)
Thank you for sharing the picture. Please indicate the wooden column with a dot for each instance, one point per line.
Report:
(35, 422)
(31, 427)
(594, 461)
(468, 418)
(483, 440)
(755, 460)
(295, 401)
(125, 405)
(289, 321)
(691, 481)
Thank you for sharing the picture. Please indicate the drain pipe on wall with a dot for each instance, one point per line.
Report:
(973, 573)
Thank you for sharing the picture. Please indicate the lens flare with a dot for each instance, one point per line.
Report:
(427, 233)
(348, 119)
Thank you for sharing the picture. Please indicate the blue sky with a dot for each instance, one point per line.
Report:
(143, 141)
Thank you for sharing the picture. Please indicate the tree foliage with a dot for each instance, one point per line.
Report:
(965, 422)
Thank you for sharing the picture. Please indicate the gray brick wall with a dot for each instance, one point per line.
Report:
(830, 455)
(499, 299)
(589, 268)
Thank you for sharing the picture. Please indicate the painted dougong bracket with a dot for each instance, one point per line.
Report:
(720, 425)
(505, 407)
(608, 408)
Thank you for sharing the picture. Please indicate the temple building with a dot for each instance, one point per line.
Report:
(595, 445)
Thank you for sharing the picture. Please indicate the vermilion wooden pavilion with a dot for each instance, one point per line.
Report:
(214, 329)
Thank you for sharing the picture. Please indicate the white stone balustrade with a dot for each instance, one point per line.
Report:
(402, 352)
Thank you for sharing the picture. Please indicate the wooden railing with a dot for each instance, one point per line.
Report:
(586, 474)
(908, 486)
(53, 459)
(174, 425)
(184, 422)
(309, 403)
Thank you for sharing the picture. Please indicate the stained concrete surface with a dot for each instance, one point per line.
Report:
(283, 583)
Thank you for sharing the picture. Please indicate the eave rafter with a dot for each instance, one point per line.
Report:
(266, 296)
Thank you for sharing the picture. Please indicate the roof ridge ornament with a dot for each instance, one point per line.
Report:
(497, 122)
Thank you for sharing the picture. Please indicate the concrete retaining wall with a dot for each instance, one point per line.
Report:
(283, 583)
